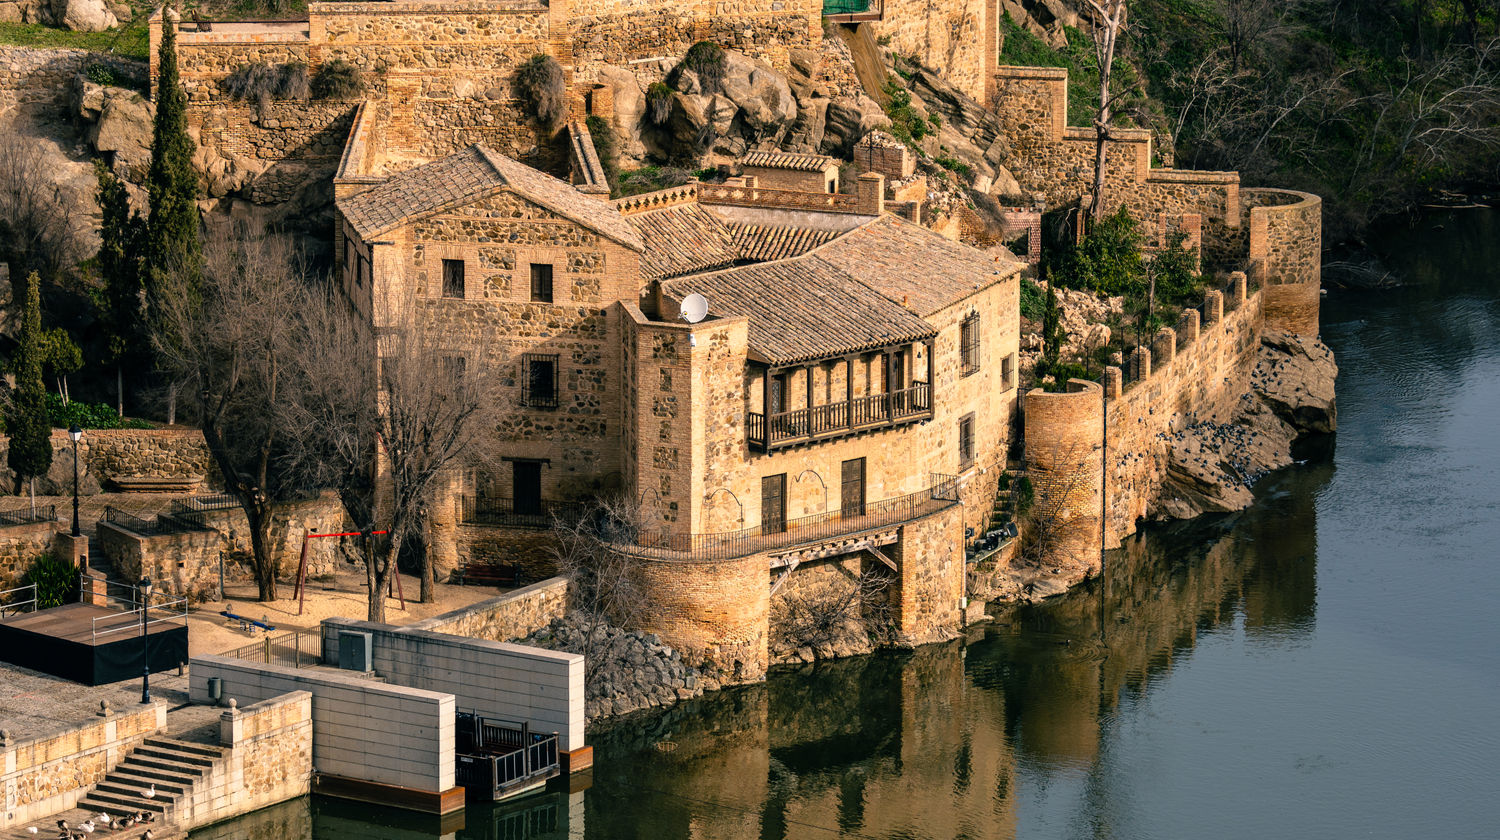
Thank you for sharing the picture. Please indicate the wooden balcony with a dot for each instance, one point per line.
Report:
(833, 420)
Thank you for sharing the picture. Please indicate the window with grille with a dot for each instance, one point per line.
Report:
(539, 380)
(966, 441)
(453, 278)
(968, 339)
(541, 282)
(1008, 371)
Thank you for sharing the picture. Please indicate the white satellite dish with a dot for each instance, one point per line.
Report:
(694, 308)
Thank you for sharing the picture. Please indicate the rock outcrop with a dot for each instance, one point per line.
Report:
(83, 15)
(1295, 377)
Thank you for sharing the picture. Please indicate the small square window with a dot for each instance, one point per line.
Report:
(539, 380)
(541, 282)
(453, 278)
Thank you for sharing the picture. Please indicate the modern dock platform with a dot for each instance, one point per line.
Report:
(91, 644)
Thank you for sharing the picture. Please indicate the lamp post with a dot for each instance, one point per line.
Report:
(144, 587)
(75, 433)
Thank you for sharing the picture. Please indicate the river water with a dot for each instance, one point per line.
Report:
(1322, 665)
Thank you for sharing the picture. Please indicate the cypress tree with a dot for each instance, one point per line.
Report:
(26, 420)
(120, 304)
(172, 241)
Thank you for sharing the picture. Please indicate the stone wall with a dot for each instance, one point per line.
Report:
(1292, 307)
(1286, 236)
(20, 545)
(38, 82)
(958, 39)
(930, 584)
(107, 454)
(510, 616)
(45, 775)
(1202, 380)
(270, 759)
(715, 612)
(530, 550)
(1064, 437)
(186, 564)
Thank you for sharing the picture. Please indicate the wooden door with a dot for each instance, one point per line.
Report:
(852, 488)
(773, 504)
(526, 487)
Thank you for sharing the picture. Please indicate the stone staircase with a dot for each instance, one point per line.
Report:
(166, 767)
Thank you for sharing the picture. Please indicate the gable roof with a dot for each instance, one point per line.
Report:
(467, 176)
(787, 160)
(803, 308)
(766, 242)
(682, 239)
(919, 267)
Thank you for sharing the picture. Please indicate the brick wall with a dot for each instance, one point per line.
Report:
(1064, 436)
(716, 612)
(42, 776)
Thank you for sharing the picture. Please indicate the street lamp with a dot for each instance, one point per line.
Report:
(144, 587)
(75, 433)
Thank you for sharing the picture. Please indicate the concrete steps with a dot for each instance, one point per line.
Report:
(165, 768)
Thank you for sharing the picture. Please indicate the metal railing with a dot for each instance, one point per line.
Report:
(163, 523)
(170, 612)
(840, 418)
(28, 516)
(11, 600)
(942, 492)
(203, 504)
(290, 650)
(502, 512)
(501, 755)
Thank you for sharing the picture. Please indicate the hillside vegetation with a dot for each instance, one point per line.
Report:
(1373, 104)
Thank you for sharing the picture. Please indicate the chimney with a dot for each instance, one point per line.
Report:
(871, 193)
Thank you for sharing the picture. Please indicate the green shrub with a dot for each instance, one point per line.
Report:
(88, 415)
(56, 581)
(539, 82)
(650, 179)
(1033, 300)
(1108, 261)
(706, 61)
(658, 102)
(906, 125)
(338, 79)
(261, 83)
(102, 74)
(956, 166)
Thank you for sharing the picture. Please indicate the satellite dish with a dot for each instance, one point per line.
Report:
(694, 308)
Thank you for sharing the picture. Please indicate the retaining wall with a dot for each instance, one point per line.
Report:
(510, 616)
(42, 776)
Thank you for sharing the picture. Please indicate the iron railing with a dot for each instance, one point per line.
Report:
(28, 516)
(170, 612)
(502, 512)
(498, 756)
(290, 650)
(163, 523)
(844, 417)
(942, 492)
(18, 599)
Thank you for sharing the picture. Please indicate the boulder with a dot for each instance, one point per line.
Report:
(630, 109)
(124, 130)
(849, 119)
(88, 98)
(84, 15)
(762, 95)
(1295, 376)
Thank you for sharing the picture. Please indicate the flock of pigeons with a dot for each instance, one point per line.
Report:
(101, 822)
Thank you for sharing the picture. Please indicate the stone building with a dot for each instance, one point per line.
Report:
(852, 382)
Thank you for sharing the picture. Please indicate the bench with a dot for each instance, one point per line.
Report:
(487, 574)
(156, 484)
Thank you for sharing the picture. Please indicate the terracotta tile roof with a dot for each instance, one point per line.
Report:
(787, 160)
(681, 240)
(466, 176)
(762, 242)
(803, 309)
(913, 265)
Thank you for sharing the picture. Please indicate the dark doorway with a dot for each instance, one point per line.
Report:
(773, 504)
(852, 494)
(526, 487)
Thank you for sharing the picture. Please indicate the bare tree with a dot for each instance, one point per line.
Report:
(383, 416)
(829, 613)
(1062, 519)
(230, 342)
(37, 229)
(1109, 21)
(604, 588)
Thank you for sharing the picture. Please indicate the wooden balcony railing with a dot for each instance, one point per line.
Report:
(941, 493)
(821, 422)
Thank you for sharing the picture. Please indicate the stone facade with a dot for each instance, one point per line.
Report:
(105, 455)
(49, 774)
(1064, 443)
(20, 546)
(958, 39)
(40, 82)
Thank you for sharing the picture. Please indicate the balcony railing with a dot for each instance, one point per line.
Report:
(803, 425)
(496, 511)
(942, 493)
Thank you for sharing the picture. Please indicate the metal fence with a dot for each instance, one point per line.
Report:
(28, 516)
(942, 492)
(289, 650)
(18, 600)
(502, 512)
(163, 523)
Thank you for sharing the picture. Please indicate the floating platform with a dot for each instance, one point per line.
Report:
(92, 645)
